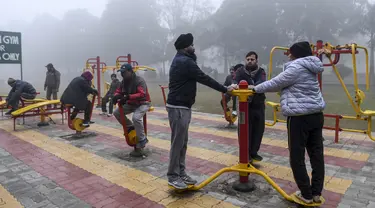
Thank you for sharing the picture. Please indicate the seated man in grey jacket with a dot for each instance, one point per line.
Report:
(303, 104)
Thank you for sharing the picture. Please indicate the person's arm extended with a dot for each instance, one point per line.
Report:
(284, 79)
(85, 87)
(196, 73)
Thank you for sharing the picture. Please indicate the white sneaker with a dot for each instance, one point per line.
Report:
(234, 113)
(102, 113)
(109, 115)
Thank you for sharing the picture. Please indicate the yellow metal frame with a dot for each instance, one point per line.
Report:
(359, 94)
(275, 106)
(245, 169)
(364, 115)
(39, 103)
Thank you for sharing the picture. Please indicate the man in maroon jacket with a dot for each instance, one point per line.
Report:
(133, 96)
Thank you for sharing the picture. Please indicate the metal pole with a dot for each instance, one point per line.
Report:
(21, 57)
(319, 45)
(244, 140)
(98, 79)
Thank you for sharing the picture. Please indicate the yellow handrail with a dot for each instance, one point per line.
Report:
(271, 57)
(367, 67)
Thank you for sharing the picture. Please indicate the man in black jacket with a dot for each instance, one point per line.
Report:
(108, 97)
(52, 82)
(20, 89)
(183, 77)
(76, 94)
(254, 75)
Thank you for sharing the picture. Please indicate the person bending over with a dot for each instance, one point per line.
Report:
(20, 89)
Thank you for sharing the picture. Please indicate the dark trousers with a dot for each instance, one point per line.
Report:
(14, 99)
(227, 100)
(105, 100)
(305, 132)
(256, 127)
(87, 113)
(51, 93)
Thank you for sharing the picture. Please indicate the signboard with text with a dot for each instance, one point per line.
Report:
(10, 48)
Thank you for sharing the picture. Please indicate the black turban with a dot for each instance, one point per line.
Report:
(184, 41)
(301, 49)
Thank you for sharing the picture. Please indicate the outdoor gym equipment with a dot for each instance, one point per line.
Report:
(76, 123)
(131, 137)
(328, 50)
(244, 168)
(228, 111)
(38, 107)
(94, 64)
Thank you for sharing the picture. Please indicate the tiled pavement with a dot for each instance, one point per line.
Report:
(38, 168)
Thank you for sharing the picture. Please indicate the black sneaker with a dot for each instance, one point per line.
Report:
(91, 122)
(177, 183)
(86, 124)
(9, 112)
(188, 180)
(257, 157)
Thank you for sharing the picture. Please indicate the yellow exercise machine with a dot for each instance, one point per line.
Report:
(244, 168)
(328, 50)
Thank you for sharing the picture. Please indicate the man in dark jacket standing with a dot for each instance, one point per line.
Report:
(254, 75)
(108, 97)
(76, 94)
(20, 89)
(183, 77)
(52, 83)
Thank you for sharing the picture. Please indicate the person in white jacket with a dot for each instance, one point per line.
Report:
(303, 104)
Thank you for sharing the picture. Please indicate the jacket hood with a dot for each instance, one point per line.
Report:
(87, 75)
(311, 63)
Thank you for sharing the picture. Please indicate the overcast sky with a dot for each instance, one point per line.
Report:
(26, 10)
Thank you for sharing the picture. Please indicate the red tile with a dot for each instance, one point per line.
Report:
(104, 202)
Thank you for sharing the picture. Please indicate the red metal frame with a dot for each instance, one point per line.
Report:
(163, 91)
(128, 59)
(244, 132)
(98, 65)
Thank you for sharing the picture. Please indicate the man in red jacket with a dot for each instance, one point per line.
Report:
(133, 96)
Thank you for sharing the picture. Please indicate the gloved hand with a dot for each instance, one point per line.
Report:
(124, 99)
(251, 87)
(116, 98)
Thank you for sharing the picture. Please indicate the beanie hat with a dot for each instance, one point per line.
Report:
(184, 41)
(238, 66)
(125, 67)
(11, 81)
(87, 75)
(301, 49)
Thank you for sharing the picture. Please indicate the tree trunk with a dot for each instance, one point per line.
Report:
(163, 71)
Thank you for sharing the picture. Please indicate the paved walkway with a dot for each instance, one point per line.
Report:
(39, 167)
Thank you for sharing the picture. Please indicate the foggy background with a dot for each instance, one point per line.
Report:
(67, 33)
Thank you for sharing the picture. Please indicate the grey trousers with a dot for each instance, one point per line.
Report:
(138, 113)
(51, 92)
(179, 120)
